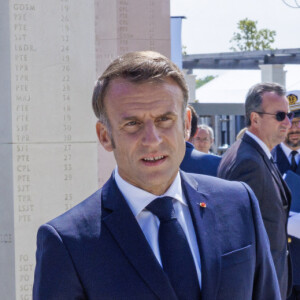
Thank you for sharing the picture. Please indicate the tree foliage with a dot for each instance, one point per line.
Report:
(201, 81)
(249, 38)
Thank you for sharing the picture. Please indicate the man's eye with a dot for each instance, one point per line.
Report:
(131, 123)
(162, 119)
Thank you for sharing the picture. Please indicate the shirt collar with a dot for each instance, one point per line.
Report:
(260, 143)
(138, 199)
(287, 151)
(189, 145)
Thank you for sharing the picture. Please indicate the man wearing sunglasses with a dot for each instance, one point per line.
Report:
(249, 159)
(287, 156)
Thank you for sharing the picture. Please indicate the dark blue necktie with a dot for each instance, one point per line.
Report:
(176, 255)
(294, 164)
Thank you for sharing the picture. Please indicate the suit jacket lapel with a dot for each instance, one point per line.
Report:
(204, 224)
(285, 194)
(281, 160)
(298, 169)
(122, 224)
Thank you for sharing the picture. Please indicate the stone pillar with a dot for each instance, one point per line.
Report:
(47, 143)
(273, 73)
(51, 54)
(191, 83)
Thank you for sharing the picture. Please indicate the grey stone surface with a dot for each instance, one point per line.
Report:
(48, 148)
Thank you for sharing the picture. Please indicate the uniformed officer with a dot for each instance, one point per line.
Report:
(287, 157)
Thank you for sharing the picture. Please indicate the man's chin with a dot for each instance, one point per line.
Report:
(293, 144)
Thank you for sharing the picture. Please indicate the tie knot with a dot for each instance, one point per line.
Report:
(162, 208)
(294, 153)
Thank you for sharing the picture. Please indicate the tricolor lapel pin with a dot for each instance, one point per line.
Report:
(202, 204)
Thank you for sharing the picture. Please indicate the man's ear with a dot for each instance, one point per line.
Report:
(104, 136)
(187, 123)
(254, 118)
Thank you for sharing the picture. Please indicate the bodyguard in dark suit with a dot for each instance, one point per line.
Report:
(287, 156)
(152, 231)
(249, 159)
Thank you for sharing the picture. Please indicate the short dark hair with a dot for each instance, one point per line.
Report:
(137, 67)
(194, 120)
(255, 94)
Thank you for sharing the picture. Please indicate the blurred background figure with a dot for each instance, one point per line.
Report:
(195, 161)
(287, 156)
(194, 122)
(204, 138)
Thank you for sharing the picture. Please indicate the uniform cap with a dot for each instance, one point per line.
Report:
(294, 102)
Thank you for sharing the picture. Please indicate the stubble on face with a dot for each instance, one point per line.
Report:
(293, 137)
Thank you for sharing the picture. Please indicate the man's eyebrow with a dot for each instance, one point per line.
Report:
(129, 118)
(167, 114)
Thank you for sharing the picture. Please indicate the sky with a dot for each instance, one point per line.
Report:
(210, 24)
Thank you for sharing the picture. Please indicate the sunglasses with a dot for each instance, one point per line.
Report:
(280, 116)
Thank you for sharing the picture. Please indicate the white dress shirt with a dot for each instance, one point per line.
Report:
(294, 219)
(261, 143)
(138, 199)
(294, 224)
(287, 151)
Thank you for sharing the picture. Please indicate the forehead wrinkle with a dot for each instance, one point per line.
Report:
(125, 115)
(276, 105)
(149, 105)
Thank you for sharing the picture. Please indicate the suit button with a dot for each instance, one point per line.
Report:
(287, 253)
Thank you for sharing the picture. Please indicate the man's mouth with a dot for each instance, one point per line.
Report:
(154, 158)
(294, 133)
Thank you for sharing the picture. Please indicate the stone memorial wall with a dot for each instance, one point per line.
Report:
(51, 53)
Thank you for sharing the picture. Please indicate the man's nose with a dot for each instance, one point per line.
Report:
(287, 122)
(151, 134)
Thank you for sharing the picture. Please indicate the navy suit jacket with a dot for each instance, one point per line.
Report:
(198, 162)
(97, 250)
(282, 161)
(246, 161)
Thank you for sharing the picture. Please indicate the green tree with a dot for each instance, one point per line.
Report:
(249, 38)
(201, 81)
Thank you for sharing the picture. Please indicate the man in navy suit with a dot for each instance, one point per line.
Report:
(249, 159)
(111, 245)
(287, 156)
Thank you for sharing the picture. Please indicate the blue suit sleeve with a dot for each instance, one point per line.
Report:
(265, 282)
(55, 275)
